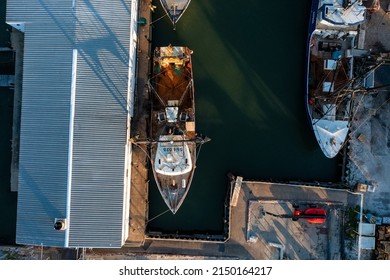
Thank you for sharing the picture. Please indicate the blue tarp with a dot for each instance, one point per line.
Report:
(336, 55)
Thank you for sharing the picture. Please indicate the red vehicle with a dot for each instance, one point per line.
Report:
(312, 215)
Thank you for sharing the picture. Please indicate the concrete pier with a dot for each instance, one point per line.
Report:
(299, 239)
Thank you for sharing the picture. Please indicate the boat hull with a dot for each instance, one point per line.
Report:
(174, 189)
(175, 9)
(312, 27)
(328, 81)
(172, 125)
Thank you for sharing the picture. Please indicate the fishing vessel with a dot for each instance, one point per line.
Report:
(330, 70)
(175, 9)
(176, 145)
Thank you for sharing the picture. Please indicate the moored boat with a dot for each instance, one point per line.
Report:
(174, 152)
(175, 9)
(330, 70)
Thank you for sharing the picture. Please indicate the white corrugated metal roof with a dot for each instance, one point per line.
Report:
(74, 117)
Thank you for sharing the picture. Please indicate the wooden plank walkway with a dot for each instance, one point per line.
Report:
(17, 41)
(139, 168)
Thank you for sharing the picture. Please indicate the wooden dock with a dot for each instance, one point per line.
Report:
(139, 166)
(17, 41)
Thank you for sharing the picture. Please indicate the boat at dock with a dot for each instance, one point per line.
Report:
(175, 144)
(175, 9)
(330, 79)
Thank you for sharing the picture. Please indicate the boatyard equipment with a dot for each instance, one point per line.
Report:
(313, 215)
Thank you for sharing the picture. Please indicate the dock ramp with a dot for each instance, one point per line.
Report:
(236, 191)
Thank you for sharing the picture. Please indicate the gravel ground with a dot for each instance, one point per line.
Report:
(368, 157)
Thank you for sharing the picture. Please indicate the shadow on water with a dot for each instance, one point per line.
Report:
(7, 198)
(248, 68)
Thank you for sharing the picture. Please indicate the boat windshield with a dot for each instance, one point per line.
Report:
(173, 156)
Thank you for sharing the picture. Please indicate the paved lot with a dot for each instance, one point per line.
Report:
(377, 28)
(369, 157)
(292, 236)
(288, 239)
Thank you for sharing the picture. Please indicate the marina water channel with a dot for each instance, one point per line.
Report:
(248, 65)
(7, 198)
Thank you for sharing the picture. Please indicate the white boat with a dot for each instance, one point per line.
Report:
(175, 9)
(176, 144)
(329, 73)
(341, 13)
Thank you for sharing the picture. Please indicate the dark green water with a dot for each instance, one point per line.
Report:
(7, 199)
(248, 65)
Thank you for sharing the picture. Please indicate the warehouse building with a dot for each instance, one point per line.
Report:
(77, 99)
